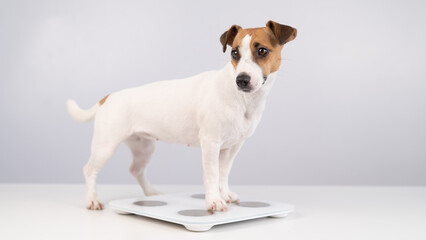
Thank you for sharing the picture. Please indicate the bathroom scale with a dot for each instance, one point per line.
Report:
(189, 209)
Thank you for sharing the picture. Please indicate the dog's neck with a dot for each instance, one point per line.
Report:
(253, 104)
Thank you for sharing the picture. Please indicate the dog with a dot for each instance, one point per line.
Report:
(215, 110)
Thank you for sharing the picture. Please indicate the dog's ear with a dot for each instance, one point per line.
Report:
(228, 37)
(282, 33)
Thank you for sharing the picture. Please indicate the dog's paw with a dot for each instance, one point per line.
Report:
(151, 191)
(215, 203)
(229, 196)
(94, 204)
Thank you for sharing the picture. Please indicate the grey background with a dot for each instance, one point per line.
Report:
(348, 106)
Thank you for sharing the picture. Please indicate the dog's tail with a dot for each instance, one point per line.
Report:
(82, 115)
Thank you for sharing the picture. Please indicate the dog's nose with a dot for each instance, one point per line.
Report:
(243, 80)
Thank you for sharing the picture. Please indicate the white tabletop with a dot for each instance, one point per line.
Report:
(322, 212)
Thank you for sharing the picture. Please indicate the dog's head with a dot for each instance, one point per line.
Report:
(256, 52)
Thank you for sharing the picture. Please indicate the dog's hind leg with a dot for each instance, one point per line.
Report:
(142, 150)
(103, 146)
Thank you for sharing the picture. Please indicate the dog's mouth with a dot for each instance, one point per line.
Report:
(245, 89)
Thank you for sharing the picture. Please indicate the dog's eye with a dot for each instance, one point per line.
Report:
(262, 52)
(235, 54)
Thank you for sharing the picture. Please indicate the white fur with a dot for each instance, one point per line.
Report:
(79, 114)
(248, 66)
(206, 110)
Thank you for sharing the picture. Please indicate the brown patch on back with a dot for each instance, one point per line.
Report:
(103, 100)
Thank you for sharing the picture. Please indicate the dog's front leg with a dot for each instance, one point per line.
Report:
(226, 158)
(210, 157)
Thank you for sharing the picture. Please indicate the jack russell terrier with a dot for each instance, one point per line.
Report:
(215, 110)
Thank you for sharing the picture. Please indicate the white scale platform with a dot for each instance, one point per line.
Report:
(189, 210)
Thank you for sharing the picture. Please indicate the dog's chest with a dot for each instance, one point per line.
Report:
(239, 128)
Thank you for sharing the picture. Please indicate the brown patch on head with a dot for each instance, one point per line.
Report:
(282, 33)
(228, 37)
(103, 100)
(272, 38)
